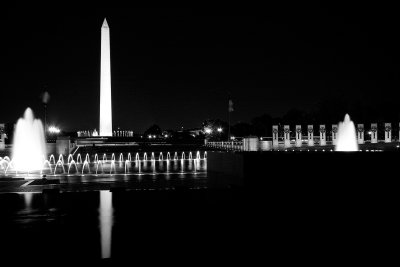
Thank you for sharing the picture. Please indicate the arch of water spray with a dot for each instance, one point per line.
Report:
(92, 165)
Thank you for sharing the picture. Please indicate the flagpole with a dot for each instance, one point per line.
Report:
(229, 121)
(229, 116)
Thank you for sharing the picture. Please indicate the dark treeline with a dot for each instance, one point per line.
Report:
(328, 112)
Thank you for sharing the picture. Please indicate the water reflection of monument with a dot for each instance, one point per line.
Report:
(106, 223)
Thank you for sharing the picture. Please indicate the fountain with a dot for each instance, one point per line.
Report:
(346, 138)
(76, 166)
(29, 144)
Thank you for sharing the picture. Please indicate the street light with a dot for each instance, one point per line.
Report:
(219, 130)
(208, 130)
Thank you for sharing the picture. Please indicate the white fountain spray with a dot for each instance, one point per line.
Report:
(346, 138)
(29, 144)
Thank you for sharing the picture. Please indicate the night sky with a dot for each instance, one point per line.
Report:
(176, 67)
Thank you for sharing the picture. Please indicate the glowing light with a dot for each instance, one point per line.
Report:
(166, 136)
(149, 136)
(208, 130)
(54, 130)
(219, 130)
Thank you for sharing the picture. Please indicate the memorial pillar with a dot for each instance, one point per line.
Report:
(310, 133)
(322, 135)
(275, 132)
(374, 133)
(286, 131)
(388, 132)
(334, 133)
(360, 134)
(299, 136)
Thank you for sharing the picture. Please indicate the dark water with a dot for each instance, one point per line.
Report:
(103, 224)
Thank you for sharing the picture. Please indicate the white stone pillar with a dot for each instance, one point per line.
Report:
(334, 133)
(275, 135)
(299, 136)
(310, 134)
(2, 137)
(374, 133)
(286, 136)
(388, 132)
(360, 134)
(322, 135)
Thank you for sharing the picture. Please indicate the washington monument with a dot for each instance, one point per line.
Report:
(105, 83)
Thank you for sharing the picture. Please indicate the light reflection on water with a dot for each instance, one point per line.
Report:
(106, 223)
(28, 200)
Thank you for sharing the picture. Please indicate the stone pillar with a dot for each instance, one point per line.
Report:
(310, 133)
(299, 136)
(286, 132)
(322, 135)
(360, 134)
(2, 137)
(388, 132)
(2, 141)
(275, 134)
(334, 133)
(374, 133)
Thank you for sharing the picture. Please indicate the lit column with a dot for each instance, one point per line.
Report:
(334, 133)
(374, 133)
(360, 134)
(105, 83)
(275, 142)
(388, 132)
(310, 134)
(286, 131)
(2, 137)
(298, 136)
(322, 135)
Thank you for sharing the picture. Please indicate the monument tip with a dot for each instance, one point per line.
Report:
(105, 24)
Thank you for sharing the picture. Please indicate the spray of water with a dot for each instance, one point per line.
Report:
(29, 144)
(347, 137)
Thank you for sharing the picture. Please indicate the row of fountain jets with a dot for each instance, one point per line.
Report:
(6, 164)
(30, 146)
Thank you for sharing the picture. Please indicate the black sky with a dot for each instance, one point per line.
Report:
(175, 67)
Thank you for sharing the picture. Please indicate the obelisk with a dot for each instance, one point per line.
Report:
(105, 83)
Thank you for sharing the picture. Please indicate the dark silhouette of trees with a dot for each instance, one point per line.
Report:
(153, 130)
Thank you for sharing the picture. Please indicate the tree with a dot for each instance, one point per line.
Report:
(262, 125)
(242, 129)
(215, 129)
(153, 130)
